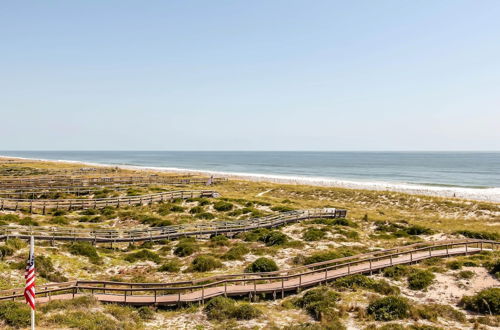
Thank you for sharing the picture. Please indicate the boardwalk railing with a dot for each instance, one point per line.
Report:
(295, 279)
(51, 181)
(33, 205)
(166, 232)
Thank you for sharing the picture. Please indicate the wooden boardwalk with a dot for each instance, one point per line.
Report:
(42, 205)
(166, 232)
(85, 181)
(276, 283)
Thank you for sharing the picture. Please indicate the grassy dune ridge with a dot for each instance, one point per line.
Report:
(438, 293)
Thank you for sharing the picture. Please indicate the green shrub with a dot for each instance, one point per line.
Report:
(162, 223)
(465, 274)
(146, 313)
(45, 268)
(184, 249)
(171, 266)
(176, 209)
(79, 302)
(10, 218)
(203, 201)
(389, 308)
(313, 234)
(494, 268)
(89, 212)
(319, 303)
(28, 221)
(58, 213)
(143, 255)
(486, 301)
(418, 230)
(16, 243)
(87, 320)
(344, 222)
(282, 208)
(85, 249)
(5, 251)
(205, 215)
(196, 210)
(205, 263)
(235, 213)
(15, 314)
(107, 211)
(222, 206)
(328, 255)
(246, 311)
(455, 264)
(255, 235)
(274, 238)
(364, 282)
(219, 240)
(397, 272)
(236, 253)
(59, 220)
(479, 234)
(221, 308)
(420, 279)
(431, 312)
(262, 265)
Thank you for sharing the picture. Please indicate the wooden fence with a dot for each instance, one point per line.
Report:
(33, 205)
(166, 232)
(251, 284)
(55, 181)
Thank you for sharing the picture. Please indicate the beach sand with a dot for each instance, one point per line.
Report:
(478, 194)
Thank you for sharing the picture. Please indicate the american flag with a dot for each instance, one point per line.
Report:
(29, 275)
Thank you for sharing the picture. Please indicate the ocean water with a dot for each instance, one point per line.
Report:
(471, 170)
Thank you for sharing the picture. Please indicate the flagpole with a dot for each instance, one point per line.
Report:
(32, 253)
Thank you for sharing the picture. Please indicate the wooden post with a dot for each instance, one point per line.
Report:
(282, 288)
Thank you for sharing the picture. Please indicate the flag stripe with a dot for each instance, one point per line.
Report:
(29, 275)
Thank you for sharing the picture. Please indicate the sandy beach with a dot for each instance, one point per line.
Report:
(478, 194)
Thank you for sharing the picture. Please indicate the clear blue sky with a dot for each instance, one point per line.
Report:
(250, 75)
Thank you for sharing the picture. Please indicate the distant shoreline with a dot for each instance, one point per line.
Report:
(478, 194)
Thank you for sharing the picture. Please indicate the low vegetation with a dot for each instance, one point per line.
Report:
(262, 265)
(485, 302)
(389, 308)
(221, 309)
(377, 220)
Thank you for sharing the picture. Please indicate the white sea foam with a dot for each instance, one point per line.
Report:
(482, 194)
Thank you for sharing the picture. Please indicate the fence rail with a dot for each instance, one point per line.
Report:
(51, 181)
(33, 205)
(166, 232)
(295, 279)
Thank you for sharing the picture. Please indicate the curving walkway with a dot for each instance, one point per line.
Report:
(276, 283)
(166, 232)
(69, 181)
(42, 205)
